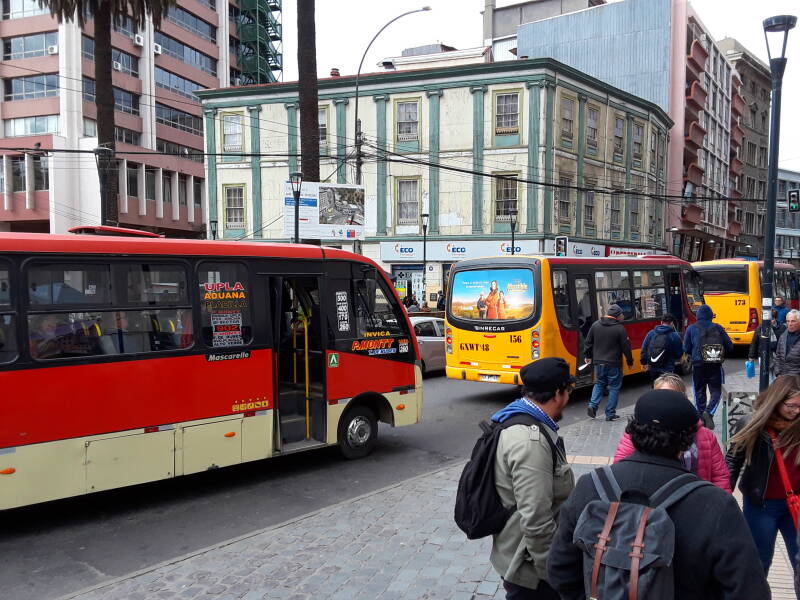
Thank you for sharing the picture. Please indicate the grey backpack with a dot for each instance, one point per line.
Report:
(627, 547)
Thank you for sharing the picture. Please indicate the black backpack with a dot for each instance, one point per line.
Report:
(657, 355)
(479, 511)
(712, 346)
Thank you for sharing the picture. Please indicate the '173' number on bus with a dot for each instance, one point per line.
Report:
(739, 302)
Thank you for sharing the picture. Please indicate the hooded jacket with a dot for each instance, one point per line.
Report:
(606, 343)
(691, 339)
(673, 349)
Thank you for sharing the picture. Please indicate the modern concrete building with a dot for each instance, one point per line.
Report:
(577, 153)
(48, 102)
(787, 224)
(751, 184)
(660, 50)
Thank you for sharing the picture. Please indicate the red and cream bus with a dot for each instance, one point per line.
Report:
(125, 360)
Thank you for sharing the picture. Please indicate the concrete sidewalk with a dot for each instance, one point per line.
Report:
(396, 543)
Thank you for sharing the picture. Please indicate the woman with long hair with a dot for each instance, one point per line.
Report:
(491, 300)
(772, 430)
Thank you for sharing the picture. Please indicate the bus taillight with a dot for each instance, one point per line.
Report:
(449, 333)
(752, 324)
(535, 343)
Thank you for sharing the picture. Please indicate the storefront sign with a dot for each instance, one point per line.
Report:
(393, 252)
(621, 251)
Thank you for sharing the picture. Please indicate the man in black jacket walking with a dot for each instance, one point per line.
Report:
(714, 557)
(606, 343)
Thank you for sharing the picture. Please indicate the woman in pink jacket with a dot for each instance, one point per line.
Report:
(704, 458)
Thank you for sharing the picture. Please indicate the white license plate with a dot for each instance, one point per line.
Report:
(490, 377)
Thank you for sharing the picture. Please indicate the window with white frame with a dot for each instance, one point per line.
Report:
(638, 133)
(588, 203)
(505, 198)
(592, 120)
(234, 207)
(323, 127)
(232, 139)
(564, 196)
(407, 201)
(619, 136)
(507, 114)
(567, 117)
(408, 121)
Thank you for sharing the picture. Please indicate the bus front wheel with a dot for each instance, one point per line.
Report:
(358, 432)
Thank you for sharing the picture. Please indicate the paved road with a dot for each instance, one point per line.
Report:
(68, 545)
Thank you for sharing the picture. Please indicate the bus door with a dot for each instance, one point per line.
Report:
(584, 314)
(299, 373)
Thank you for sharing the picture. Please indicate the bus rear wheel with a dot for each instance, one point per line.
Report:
(358, 432)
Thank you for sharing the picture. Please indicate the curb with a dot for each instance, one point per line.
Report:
(219, 545)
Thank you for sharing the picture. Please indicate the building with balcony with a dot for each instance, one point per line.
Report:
(751, 108)
(469, 145)
(48, 103)
(787, 224)
(660, 51)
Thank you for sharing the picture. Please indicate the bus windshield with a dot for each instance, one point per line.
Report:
(493, 294)
(724, 281)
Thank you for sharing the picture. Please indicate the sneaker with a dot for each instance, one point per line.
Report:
(708, 420)
(612, 418)
(591, 411)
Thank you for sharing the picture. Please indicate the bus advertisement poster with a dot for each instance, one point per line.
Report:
(493, 294)
(327, 211)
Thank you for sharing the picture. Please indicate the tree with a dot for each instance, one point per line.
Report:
(307, 89)
(105, 14)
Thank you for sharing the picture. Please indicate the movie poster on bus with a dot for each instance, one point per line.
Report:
(327, 211)
(493, 295)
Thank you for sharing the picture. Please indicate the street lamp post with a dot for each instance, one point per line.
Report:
(297, 183)
(425, 217)
(775, 29)
(213, 224)
(358, 139)
(512, 215)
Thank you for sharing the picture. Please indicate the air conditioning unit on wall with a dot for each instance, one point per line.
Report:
(156, 48)
(52, 49)
(117, 66)
(138, 40)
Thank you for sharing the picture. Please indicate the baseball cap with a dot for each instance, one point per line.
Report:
(546, 375)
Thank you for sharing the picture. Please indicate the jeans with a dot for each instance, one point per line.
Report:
(606, 377)
(707, 375)
(543, 591)
(764, 524)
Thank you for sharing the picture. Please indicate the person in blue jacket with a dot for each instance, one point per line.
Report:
(707, 343)
(661, 349)
(780, 306)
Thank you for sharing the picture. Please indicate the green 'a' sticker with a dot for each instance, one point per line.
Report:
(333, 360)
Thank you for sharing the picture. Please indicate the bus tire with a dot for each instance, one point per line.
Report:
(358, 432)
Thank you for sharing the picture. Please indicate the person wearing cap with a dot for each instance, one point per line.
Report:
(532, 473)
(714, 555)
(606, 343)
(705, 374)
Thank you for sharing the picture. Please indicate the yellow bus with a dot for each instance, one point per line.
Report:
(732, 288)
(504, 312)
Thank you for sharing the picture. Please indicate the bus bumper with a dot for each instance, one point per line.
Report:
(740, 338)
(485, 375)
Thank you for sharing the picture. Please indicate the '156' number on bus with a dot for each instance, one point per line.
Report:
(515, 338)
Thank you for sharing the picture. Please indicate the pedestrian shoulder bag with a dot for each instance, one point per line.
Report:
(792, 499)
(657, 355)
(627, 547)
(479, 512)
(712, 347)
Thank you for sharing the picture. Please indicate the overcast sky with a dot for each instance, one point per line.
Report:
(345, 27)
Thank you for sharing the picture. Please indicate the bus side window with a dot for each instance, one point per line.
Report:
(225, 304)
(561, 298)
(8, 335)
(375, 310)
(609, 291)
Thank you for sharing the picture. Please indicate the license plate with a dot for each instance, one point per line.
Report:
(490, 377)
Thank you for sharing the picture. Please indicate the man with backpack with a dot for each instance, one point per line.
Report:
(606, 343)
(517, 479)
(646, 528)
(707, 344)
(661, 349)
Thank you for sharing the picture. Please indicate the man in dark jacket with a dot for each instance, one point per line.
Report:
(705, 373)
(606, 343)
(661, 349)
(787, 353)
(714, 558)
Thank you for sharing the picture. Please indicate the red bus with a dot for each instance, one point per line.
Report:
(128, 360)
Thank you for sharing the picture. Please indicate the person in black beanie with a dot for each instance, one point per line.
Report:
(714, 555)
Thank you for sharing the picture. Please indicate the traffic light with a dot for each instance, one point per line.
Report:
(561, 245)
(794, 200)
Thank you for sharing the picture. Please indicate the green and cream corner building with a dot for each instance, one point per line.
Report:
(434, 141)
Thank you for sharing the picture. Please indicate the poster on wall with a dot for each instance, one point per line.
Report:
(327, 211)
(493, 294)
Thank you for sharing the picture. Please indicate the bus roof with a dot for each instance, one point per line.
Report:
(653, 259)
(736, 262)
(105, 244)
